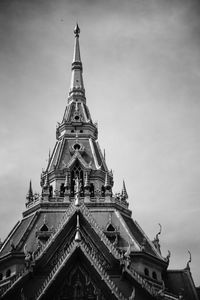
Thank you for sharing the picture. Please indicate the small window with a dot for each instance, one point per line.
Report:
(77, 146)
(8, 273)
(44, 228)
(154, 275)
(81, 131)
(72, 131)
(76, 118)
(110, 228)
(1, 276)
(146, 272)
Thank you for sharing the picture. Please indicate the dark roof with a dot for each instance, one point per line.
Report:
(181, 282)
(138, 234)
(16, 235)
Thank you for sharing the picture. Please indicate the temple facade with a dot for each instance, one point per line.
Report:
(77, 240)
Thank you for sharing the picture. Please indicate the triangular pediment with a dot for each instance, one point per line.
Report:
(78, 270)
(77, 157)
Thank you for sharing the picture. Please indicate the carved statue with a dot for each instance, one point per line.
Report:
(77, 186)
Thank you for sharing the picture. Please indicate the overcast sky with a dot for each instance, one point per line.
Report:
(141, 64)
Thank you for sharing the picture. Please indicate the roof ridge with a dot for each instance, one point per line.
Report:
(96, 263)
(100, 232)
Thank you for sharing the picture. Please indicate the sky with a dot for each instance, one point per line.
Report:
(141, 65)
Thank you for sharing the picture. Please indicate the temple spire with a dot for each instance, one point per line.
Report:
(124, 192)
(76, 87)
(29, 196)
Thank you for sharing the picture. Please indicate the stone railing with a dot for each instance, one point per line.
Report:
(103, 274)
(99, 231)
(55, 270)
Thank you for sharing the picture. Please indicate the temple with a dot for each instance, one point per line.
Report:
(76, 239)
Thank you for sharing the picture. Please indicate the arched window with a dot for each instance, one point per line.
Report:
(1, 276)
(146, 272)
(77, 172)
(8, 273)
(154, 275)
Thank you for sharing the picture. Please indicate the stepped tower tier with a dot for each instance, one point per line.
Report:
(77, 152)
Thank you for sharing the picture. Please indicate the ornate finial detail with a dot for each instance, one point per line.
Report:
(78, 235)
(189, 261)
(106, 184)
(29, 196)
(86, 183)
(156, 240)
(128, 250)
(168, 256)
(77, 30)
(124, 192)
(77, 188)
(104, 155)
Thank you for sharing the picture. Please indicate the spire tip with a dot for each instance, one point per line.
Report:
(77, 30)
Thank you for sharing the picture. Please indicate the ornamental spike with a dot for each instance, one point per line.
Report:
(86, 180)
(78, 235)
(124, 192)
(106, 184)
(189, 261)
(29, 196)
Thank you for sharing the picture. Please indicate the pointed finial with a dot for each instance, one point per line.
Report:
(78, 235)
(29, 196)
(124, 192)
(160, 226)
(168, 256)
(76, 30)
(189, 261)
(156, 240)
(106, 184)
